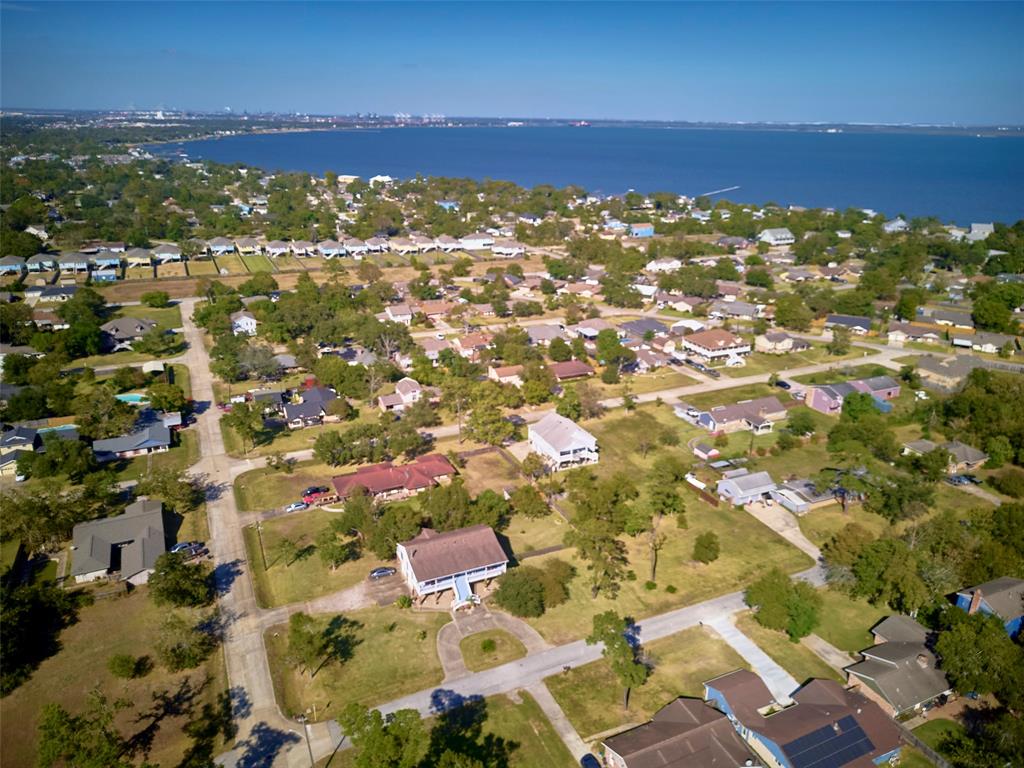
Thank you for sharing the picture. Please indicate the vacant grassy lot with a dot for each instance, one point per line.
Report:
(181, 377)
(128, 624)
(286, 264)
(392, 653)
(491, 470)
(758, 362)
(506, 648)
(820, 525)
(201, 267)
(845, 373)
(166, 318)
(265, 488)
(797, 659)
(257, 263)
(172, 269)
(287, 580)
(639, 384)
(232, 262)
(527, 535)
(749, 549)
(846, 621)
(139, 273)
(592, 700)
(708, 400)
(620, 433)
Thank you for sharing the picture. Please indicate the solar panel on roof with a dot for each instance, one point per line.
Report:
(829, 747)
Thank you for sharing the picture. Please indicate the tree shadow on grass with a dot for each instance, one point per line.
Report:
(459, 730)
(169, 702)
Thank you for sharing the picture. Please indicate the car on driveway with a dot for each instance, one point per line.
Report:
(296, 506)
(315, 489)
(782, 384)
(188, 549)
(958, 480)
(382, 573)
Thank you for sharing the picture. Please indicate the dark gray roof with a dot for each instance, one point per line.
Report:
(123, 328)
(1004, 595)
(136, 539)
(643, 325)
(303, 411)
(905, 673)
(899, 629)
(849, 321)
(18, 437)
(319, 395)
(151, 436)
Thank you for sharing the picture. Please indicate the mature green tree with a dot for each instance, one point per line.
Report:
(840, 344)
(706, 547)
(489, 425)
(400, 741)
(86, 740)
(605, 555)
(977, 655)
(611, 630)
(792, 313)
(159, 343)
(559, 350)
(333, 548)
(886, 573)
(521, 592)
(177, 582)
(156, 299)
(99, 414)
(69, 458)
(179, 491)
(569, 404)
(784, 605)
(247, 421)
(527, 500)
(166, 397)
(182, 643)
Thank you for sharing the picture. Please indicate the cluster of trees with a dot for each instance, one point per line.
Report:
(783, 604)
(529, 591)
(986, 414)
(368, 443)
(914, 570)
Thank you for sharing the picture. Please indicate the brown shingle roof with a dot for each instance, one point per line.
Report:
(433, 555)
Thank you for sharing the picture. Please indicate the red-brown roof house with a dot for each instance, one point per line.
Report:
(386, 481)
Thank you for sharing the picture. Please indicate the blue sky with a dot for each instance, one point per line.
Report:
(860, 62)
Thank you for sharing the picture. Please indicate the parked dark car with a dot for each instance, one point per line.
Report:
(382, 573)
(314, 489)
(782, 384)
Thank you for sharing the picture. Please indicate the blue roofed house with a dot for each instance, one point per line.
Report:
(73, 262)
(828, 726)
(1002, 598)
(641, 229)
(41, 262)
(12, 265)
(152, 438)
(741, 486)
(105, 260)
(852, 323)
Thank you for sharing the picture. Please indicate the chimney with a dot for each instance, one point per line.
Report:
(975, 602)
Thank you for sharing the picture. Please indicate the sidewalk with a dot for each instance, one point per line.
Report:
(778, 680)
(558, 720)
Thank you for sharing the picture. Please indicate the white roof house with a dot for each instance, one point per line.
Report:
(741, 486)
(562, 443)
(243, 323)
(777, 236)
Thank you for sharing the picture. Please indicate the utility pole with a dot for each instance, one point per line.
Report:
(259, 533)
(305, 727)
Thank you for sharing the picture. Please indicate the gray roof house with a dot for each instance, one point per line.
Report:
(123, 331)
(1002, 597)
(899, 672)
(561, 442)
(641, 326)
(685, 733)
(801, 496)
(127, 545)
(153, 438)
(962, 457)
(741, 486)
(543, 335)
(854, 323)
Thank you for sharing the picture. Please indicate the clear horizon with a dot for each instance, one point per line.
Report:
(942, 64)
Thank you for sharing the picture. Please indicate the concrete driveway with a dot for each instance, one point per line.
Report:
(784, 523)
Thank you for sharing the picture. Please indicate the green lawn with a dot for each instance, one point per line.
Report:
(533, 740)
(707, 400)
(749, 549)
(846, 621)
(166, 318)
(116, 358)
(527, 535)
(591, 697)
(758, 362)
(797, 659)
(912, 758)
(307, 577)
(232, 262)
(257, 263)
(934, 731)
(846, 373)
(506, 648)
(8, 553)
(265, 488)
(394, 653)
(820, 525)
(663, 378)
(201, 267)
(181, 377)
(179, 457)
(128, 624)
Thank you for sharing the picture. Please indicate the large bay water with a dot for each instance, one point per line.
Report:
(958, 178)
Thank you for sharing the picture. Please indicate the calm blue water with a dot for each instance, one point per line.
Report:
(957, 178)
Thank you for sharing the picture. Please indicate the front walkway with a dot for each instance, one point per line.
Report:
(778, 680)
(824, 650)
(558, 720)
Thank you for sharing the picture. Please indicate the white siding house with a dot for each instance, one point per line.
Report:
(562, 443)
